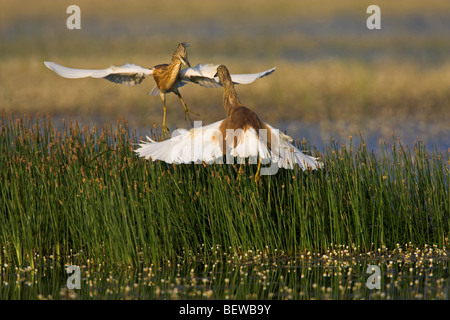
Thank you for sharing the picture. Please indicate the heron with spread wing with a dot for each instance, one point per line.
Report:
(240, 135)
(168, 77)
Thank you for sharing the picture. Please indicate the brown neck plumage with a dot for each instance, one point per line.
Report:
(175, 64)
(173, 69)
(230, 98)
(175, 58)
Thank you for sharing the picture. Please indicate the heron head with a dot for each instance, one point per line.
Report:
(181, 53)
(223, 74)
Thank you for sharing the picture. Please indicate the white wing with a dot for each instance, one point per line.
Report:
(285, 154)
(202, 74)
(186, 146)
(205, 144)
(128, 74)
(250, 77)
(206, 76)
(282, 152)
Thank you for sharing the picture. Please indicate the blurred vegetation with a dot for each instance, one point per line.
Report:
(330, 68)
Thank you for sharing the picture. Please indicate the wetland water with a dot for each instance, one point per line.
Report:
(408, 273)
(319, 134)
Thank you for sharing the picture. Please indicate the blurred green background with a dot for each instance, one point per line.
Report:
(334, 76)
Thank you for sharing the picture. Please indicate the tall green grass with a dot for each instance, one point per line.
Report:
(84, 191)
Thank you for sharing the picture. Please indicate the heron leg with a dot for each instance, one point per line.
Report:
(163, 99)
(186, 110)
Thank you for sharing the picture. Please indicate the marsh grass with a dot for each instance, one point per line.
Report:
(83, 190)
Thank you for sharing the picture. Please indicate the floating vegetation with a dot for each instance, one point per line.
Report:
(405, 272)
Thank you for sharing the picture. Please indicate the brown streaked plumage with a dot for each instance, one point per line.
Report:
(167, 78)
(210, 143)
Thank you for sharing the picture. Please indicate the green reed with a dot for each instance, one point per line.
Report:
(84, 191)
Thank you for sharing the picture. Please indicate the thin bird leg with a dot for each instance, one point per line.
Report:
(186, 110)
(163, 99)
(258, 171)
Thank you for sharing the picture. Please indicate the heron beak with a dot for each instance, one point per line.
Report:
(186, 61)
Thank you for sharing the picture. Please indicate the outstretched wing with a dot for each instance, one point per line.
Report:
(286, 155)
(128, 74)
(206, 76)
(250, 77)
(202, 74)
(206, 144)
(186, 146)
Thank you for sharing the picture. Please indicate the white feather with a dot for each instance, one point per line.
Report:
(286, 154)
(201, 70)
(206, 76)
(250, 77)
(186, 146)
(205, 144)
(129, 74)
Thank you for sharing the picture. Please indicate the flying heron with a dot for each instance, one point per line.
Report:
(238, 135)
(168, 77)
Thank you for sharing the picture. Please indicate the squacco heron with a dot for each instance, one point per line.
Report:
(238, 135)
(168, 77)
